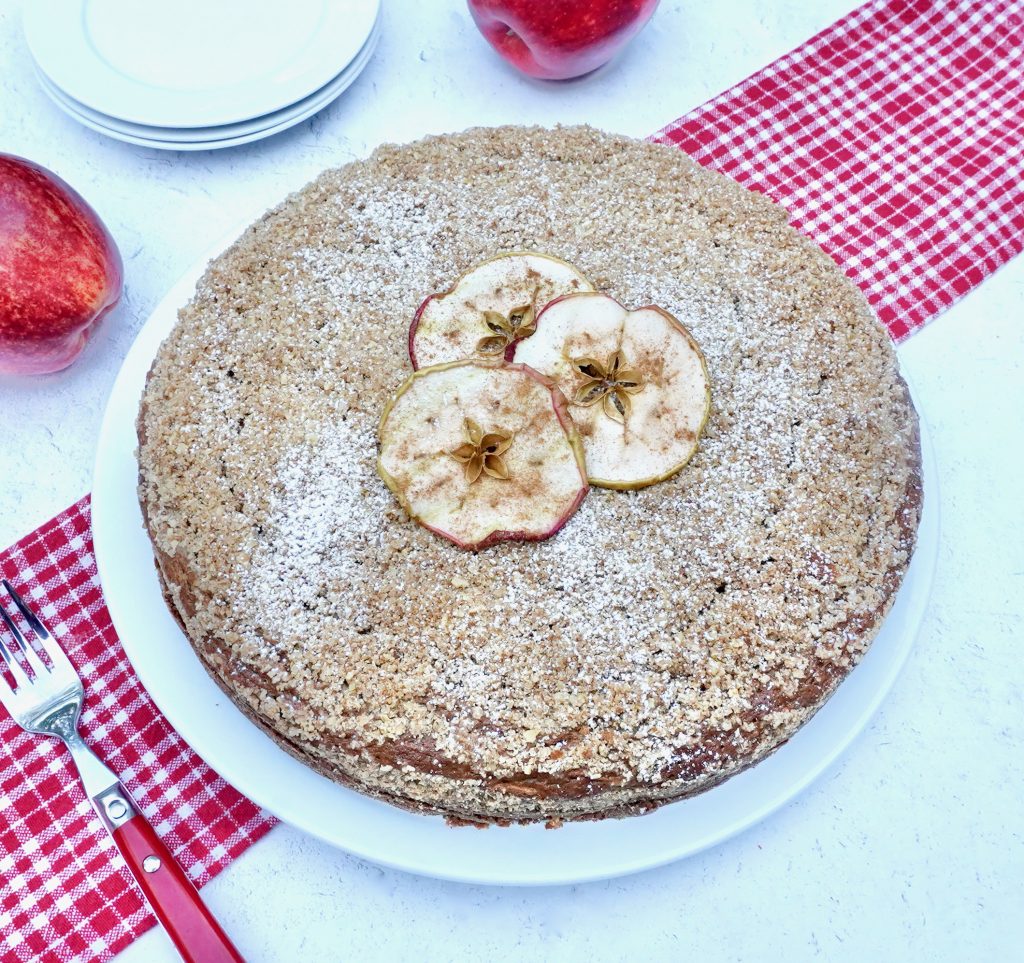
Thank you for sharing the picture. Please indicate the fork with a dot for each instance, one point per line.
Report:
(46, 699)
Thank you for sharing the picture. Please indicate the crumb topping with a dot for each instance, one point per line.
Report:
(663, 634)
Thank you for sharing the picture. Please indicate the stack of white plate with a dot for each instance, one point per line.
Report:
(198, 74)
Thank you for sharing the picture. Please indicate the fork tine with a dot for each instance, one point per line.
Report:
(13, 665)
(50, 646)
(15, 631)
(33, 620)
(36, 664)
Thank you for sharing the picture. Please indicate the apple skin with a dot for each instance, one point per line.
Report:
(560, 39)
(60, 270)
(412, 330)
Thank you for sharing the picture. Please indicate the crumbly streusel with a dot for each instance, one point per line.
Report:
(666, 637)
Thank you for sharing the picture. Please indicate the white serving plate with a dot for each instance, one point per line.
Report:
(522, 855)
(192, 63)
(211, 138)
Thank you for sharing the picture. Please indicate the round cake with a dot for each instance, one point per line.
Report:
(666, 638)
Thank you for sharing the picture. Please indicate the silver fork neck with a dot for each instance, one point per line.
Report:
(62, 721)
(96, 777)
(109, 798)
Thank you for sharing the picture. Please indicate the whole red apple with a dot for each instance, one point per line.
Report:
(559, 39)
(60, 270)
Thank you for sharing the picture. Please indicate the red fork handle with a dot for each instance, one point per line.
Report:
(176, 902)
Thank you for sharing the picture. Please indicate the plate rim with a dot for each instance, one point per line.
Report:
(62, 48)
(108, 520)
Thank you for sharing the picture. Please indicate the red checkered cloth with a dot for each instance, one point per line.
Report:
(67, 894)
(894, 138)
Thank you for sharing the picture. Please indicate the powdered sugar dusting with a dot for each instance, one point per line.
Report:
(324, 514)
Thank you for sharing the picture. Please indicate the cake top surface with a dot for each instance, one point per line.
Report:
(703, 604)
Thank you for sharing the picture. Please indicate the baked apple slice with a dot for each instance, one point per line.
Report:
(481, 453)
(638, 386)
(489, 308)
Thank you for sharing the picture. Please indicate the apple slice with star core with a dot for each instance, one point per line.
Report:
(480, 453)
(637, 384)
(489, 308)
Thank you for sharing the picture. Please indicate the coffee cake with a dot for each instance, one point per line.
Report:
(665, 638)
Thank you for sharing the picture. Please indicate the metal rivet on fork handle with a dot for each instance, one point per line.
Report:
(114, 807)
(151, 864)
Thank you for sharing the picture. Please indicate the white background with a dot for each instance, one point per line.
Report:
(910, 849)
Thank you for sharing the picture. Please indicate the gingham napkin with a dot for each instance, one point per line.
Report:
(895, 138)
(67, 895)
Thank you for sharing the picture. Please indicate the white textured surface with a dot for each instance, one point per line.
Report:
(911, 848)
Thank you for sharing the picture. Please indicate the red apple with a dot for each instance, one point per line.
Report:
(559, 39)
(60, 270)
